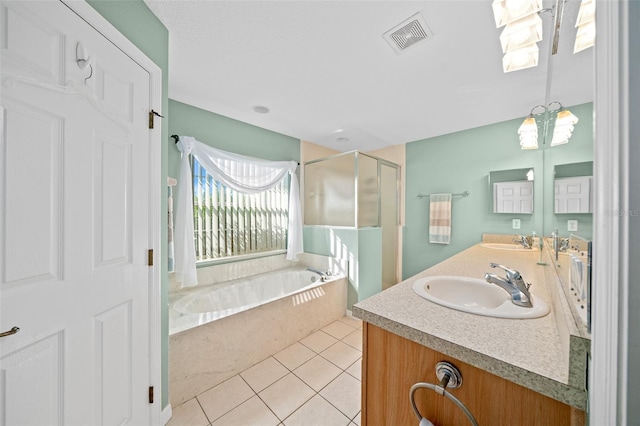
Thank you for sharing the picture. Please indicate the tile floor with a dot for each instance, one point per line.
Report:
(315, 381)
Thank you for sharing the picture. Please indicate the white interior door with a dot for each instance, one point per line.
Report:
(573, 195)
(74, 219)
(513, 197)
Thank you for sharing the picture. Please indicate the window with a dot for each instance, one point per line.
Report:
(229, 223)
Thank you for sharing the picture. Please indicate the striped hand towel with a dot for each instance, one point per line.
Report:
(440, 218)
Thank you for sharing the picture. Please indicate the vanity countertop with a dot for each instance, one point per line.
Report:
(533, 353)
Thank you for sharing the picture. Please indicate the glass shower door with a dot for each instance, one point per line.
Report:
(389, 212)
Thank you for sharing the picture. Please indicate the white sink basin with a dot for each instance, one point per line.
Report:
(475, 296)
(510, 247)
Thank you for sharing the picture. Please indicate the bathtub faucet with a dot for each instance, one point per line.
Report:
(323, 275)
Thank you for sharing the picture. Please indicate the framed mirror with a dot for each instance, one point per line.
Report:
(512, 191)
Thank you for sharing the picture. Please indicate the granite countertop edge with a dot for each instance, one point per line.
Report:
(559, 391)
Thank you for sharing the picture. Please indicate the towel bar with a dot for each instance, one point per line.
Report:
(462, 194)
(449, 376)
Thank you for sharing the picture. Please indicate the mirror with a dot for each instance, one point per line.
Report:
(572, 159)
(573, 268)
(512, 191)
(570, 199)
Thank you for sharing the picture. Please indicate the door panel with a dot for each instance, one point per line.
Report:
(31, 383)
(112, 200)
(75, 223)
(32, 191)
(30, 42)
(114, 91)
(112, 355)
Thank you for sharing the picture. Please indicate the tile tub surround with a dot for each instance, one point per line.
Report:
(530, 352)
(204, 356)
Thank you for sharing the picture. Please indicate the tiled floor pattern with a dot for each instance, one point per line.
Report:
(315, 381)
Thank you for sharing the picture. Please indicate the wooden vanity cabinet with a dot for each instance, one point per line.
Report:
(392, 364)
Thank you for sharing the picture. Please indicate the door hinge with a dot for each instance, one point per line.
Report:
(150, 257)
(150, 394)
(152, 114)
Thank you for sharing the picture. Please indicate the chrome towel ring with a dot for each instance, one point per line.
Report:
(449, 376)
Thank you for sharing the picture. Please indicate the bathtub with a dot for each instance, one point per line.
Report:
(194, 307)
(218, 330)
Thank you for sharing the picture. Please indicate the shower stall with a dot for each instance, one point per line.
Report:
(356, 190)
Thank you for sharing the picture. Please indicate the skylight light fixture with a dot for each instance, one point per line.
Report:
(508, 11)
(555, 114)
(521, 33)
(586, 25)
(520, 59)
(563, 128)
(523, 29)
(528, 132)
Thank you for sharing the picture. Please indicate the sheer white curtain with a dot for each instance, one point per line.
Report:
(241, 173)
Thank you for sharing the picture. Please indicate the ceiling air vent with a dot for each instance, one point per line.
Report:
(408, 33)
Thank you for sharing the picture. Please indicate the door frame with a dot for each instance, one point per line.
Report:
(104, 27)
(608, 373)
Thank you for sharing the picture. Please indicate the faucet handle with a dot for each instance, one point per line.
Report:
(512, 274)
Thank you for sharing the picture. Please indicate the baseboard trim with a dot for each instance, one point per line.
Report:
(166, 414)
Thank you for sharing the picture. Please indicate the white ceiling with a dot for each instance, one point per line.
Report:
(320, 66)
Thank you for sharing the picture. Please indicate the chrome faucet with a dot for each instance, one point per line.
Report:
(323, 275)
(522, 240)
(513, 284)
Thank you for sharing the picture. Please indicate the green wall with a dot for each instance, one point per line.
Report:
(226, 134)
(361, 247)
(462, 161)
(136, 22)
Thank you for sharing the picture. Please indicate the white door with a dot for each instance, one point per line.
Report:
(74, 219)
(573, 195)
(513, 197)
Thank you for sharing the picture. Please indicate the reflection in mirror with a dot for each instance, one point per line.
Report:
(573, 188)
(512, 190)
(573, 266)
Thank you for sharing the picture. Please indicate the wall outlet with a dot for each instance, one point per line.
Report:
(516, 223)
(572, 225)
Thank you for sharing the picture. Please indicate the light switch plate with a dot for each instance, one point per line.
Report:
(516, 223)
(572, 225)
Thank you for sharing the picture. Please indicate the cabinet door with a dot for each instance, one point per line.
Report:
(392, 364)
